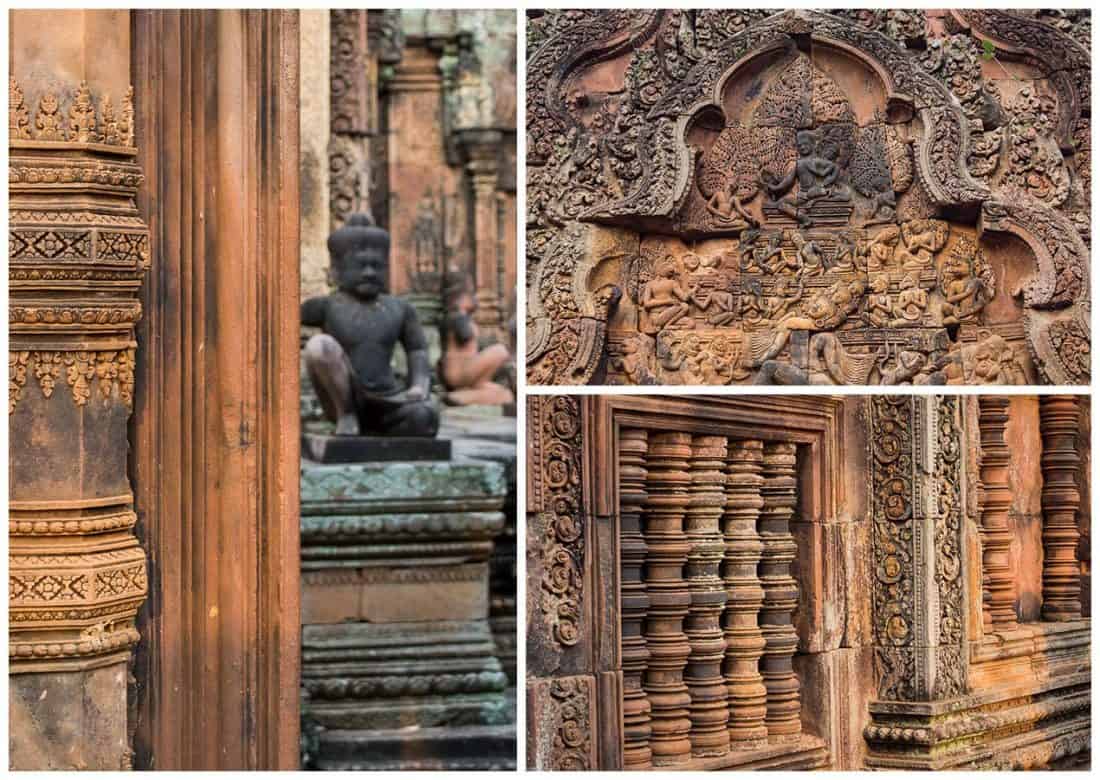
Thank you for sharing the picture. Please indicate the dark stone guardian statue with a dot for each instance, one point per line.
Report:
(350, 362)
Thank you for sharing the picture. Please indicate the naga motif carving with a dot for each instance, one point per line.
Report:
(729, 197)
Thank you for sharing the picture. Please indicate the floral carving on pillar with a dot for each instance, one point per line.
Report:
(78, 251)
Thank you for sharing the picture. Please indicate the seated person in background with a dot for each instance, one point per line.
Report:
(466, 371)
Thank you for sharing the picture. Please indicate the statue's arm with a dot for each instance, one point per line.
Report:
(416, 351)
(313, 311)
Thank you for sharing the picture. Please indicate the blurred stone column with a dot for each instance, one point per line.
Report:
(314, 86)
(78, 250)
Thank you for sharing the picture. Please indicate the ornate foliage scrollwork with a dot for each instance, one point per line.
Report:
(950, 678)
(558, 490)
(573, 729)
(892, 495)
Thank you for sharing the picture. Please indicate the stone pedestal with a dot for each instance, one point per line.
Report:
(398, 654)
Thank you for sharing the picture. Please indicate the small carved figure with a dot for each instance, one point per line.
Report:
(965, 292)
(664, 300)
(920, 240)
(762, 256)
(845, 260)
(721, 301)
(880, 252)
(753, 305)
(636, 360)
(911, 304)
(991, 361)
(748, 249)
(810, 258)
(466, 371)
(349, 363)
(816, 171)
(880, 306)
(729, 178)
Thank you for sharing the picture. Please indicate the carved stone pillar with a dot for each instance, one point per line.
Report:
(709, 698)
(744, 594)
(78, 250)
(483, 150)
(1059, 419)
(780, 592)
(916, 448)
(667, 484)
(997, 575)
(635, 601)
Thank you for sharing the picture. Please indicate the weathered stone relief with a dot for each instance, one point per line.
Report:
(731, 197)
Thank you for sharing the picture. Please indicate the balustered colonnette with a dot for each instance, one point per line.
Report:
(708, 598)
(1059, 421)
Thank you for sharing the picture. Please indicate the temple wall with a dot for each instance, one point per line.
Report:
(411, 115)
(796, 582)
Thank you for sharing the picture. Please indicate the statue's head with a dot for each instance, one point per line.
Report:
(805, 141)
(359, 255)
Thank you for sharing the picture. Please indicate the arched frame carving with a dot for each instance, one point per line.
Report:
(627, 163)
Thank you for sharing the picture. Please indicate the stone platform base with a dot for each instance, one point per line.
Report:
(365, 449)
(418, 695)
(469, 747)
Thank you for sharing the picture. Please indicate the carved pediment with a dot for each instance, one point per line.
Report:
(811, 200)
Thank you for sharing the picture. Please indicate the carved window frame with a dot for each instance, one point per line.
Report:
(814, 423)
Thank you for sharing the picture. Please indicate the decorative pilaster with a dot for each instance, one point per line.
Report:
(353, 114)
(635, 601)
(709, 698)
(780, 592)
(667, 484)
(483, 150)
(1059, 420)
(744, 594)
(78, 251)
(998, 578)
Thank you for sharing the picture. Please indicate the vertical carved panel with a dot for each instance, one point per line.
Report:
(950, 672)
(1059, 418)
(554, 494)
(635, 601)
(745, 595)
(709, 701)
(780, 592)
(353, 113)
(667, 483)
(997, 575)
(561, 722)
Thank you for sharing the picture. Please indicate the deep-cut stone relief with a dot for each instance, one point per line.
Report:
(731, 197)
(793, 582)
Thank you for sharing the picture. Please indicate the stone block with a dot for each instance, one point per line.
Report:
(364, 449)
(68, 720)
